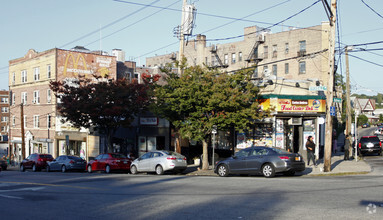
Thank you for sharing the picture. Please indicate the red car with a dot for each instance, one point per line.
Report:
(109, 162)
(35, 162)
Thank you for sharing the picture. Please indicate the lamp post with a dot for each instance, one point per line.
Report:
(213, 131)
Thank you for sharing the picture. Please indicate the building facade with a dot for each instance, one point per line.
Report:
(4, 123)
(291, 68)
(34, 106)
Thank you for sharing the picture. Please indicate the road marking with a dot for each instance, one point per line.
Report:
(23, 189)
(54, 185)
(10, 197)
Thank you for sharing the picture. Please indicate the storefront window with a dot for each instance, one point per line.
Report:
(261, 135)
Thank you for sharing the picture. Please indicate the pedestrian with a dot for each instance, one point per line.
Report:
(310, 146)
(334, 145)
(347, 148)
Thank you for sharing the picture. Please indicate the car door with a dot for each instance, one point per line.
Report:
(29, 161)
(54, 165)
(155, 158)
(143, 162)
(257, 157)
(103, 161)
(97, 160)
(238, 163)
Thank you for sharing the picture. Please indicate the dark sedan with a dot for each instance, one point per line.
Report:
(64, 163)
(370, 145)
(261, 160)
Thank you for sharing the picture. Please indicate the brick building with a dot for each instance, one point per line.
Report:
(4, 123)
(29, 78)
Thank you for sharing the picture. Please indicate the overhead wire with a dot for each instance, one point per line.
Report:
(372, 9)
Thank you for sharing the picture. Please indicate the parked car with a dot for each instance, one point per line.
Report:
(109, 162)
(3, 164)
(159, 162)
(369, 145)
(65, 163)
(261, 160)
(378, 131)
(366, 125)
(35, 162)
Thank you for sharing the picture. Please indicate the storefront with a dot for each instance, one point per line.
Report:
(294, 118)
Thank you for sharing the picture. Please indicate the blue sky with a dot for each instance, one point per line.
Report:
(146, 31)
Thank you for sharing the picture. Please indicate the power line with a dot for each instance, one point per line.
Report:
(108, 25)
(365, 44)
(372, 9)
(366, 60)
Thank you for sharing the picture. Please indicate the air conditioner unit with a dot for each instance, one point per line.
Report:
(295, 121)
(301, 53)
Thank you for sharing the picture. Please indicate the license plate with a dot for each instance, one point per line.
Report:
(369, 150)
(180, 160)
(297, 158)
(370, 145)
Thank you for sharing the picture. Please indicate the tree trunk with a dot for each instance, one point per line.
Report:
(205, 156)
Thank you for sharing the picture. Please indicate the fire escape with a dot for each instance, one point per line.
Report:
(253, 56)
(217, 59)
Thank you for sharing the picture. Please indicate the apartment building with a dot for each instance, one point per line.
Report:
(33, 102)
(4, 123)
(291, 69)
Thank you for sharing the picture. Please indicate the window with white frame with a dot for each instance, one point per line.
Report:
(13, 98)
(49, 71)
(24, 98)
(265, 52)
(4, 100)
(36, 73)
(25, 121)
(286, 68)
(265, 70)
(4, 119)
(302, 67)
(226, 59)
(302, 46)
(36, 97)
(240, 56)
(49, 96)
(36, 122)
(275, 53)
(275, 69)
(13, 121)
(24, 76)
(13, 78)
(4, 109)
(3, 129)
(233, 58)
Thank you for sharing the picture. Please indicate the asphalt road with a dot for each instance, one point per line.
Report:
(44, 195)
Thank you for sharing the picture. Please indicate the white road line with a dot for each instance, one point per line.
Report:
(10, 197)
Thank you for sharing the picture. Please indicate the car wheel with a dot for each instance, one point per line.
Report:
(22, 169)
(289, 173)
(159, 170)
(48, 168)
(89, 168)
(222, 170)
(63, 169)
(34, 168)
(133, 169)
(268, 170)
(107, 169)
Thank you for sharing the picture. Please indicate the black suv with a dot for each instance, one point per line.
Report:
(369, 145)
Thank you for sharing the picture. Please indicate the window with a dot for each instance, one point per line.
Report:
(4, 109)
(206, 63)
(213, 61)
(256, 72)
(4, 119)
(13, 78)
(25, 121)
(49, 73)
(265, 70)
(286, 68)
(286, 48)
(275, 69)
(49, 121)
(36, 97)
(265, 52)
(49, 96)
(36, 73)
(226, 59)
(3, 129)
(13, 99)
(302, 67)
(23, 76)
(240, 56)
(302, 45)
(4, 100)
(233, 58)
(13, 121)
(275, 51)
(36, 122)
(24, 98)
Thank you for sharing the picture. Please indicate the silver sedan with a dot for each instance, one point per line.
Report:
(159, 162)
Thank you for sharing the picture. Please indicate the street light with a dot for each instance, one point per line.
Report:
(213, 131)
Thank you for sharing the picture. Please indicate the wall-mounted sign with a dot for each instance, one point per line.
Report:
(317, 88)
(148, 121)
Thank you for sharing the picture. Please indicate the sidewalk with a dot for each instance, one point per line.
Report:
(338, 167)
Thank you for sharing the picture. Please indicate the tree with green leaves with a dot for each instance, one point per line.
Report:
(201, 98)
(362, 119)
(105, 104)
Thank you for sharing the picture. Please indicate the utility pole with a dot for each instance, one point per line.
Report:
(330, 87)
(182, 39)
(22, 131)
(348, 101)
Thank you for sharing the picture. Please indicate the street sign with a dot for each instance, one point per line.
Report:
(332, 110)
(337, 100)
(317, 88)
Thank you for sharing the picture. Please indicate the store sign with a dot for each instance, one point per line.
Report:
(289, 105)
(317, 88)
(337, 100)
(148, 121)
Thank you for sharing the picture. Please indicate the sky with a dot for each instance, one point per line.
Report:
(144, 28)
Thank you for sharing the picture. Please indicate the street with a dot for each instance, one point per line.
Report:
(42, 195)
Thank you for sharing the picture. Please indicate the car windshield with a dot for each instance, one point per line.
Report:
(73, 158)
(369, 139)
(118, 156)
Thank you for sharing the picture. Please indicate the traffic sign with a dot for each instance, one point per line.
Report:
(337, 100)
(332, 110)
(317, 88)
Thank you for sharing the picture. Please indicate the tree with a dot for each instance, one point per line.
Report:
(362, 119)
(201, 98)
(104, 104)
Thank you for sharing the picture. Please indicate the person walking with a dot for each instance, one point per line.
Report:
(347, 147)
(310, 146)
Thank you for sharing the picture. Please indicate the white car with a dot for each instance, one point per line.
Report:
(159, 162)
(379, 131)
